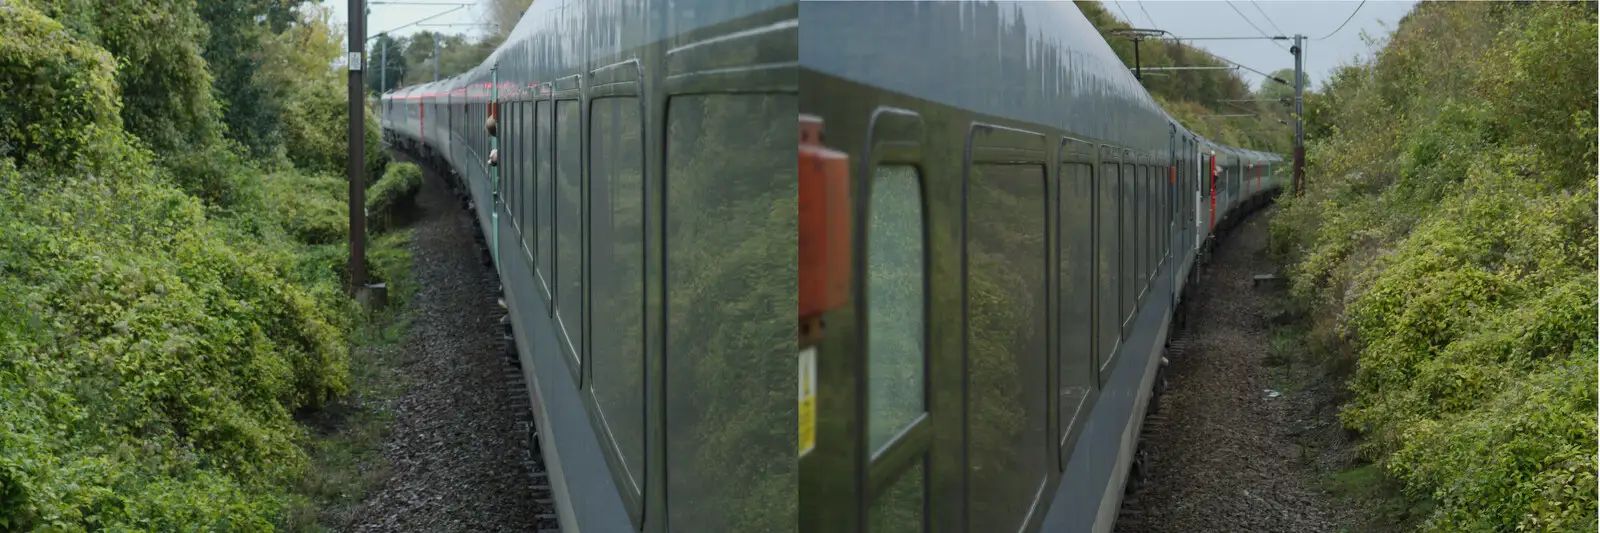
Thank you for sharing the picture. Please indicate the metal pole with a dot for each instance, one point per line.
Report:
(1299, 116)
(1162, 69)
(357, 160)
(383, 69)
(435, 56)
(1138, 72)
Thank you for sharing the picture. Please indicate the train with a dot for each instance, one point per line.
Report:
(986, 237)
(1025, 222)
(640, 214)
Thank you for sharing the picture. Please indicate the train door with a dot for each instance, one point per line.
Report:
(867, 420)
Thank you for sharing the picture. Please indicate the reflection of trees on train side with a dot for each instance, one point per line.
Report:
(543, 185)
(1107, 283)
(1007, 345)
(894, 318)
(731, 241)
(616, 239)
(569, 212)
(896, 344)
(1078, 377)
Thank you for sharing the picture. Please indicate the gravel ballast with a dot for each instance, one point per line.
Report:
(458, 446)
(1225, 458)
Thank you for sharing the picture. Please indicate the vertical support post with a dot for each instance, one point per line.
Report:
(1138, 70)
(358, 154)
(1299, 116)
(383, 65)
(435, 56)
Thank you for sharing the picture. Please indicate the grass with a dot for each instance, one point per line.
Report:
(347, 436)
(1389, 508)
(1326, 447)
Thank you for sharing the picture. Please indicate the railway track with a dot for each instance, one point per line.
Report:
(523, 475)
(514, 385)
(1132, 515)
(1218, 450)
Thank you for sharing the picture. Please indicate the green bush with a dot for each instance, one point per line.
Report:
(155, 352)
(314, 208)
(61, 93)
(316, 131)
(159, 323)
(162, 80)
(1448, 235)
(392, 195)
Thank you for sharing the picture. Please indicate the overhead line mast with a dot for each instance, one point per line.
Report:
(357, 155)
(1299, 115)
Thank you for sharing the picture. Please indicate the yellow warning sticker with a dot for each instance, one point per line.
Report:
(808, 400)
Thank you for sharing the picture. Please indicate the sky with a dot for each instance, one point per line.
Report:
(1313, 18)
(391, 14)
(1185, 18)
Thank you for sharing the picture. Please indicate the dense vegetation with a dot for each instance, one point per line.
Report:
(164, 305)
(1447, 245)
(1192, 95)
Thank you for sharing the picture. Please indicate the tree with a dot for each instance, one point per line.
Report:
(1274, 90)
(386, 63)
(235, 52)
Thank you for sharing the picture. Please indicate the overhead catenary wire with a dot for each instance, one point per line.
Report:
(419, 21)
(1269, 76)
(1253, 25)
(1124, 12)
(1346, 21)
(1147, 15)
(1269, 19)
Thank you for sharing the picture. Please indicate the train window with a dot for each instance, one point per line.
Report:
(1152, 216)
(1008, 313)
(544, 186)
(569, 226)
(1167, 210)
(616, 275)
(1141, 226)
(1108, 282)
(511, 159)
(731, 280)
(1135, 184)
(1152, 223)
(525, 168)
(1077, 379)
(1129, 200)
(901, 507)
(895, 299)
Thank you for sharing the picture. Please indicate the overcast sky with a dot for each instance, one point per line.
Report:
(1313, 18)
(391, 14)
(1184, 18)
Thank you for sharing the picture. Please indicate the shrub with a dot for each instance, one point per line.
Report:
(60, 93)
(314, 208)
(153, 343)
(1449, 229)
(393, 195)
(316, 131)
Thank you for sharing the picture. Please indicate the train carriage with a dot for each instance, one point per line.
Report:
(640, 216)
(988, 240)
(1024, 220)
